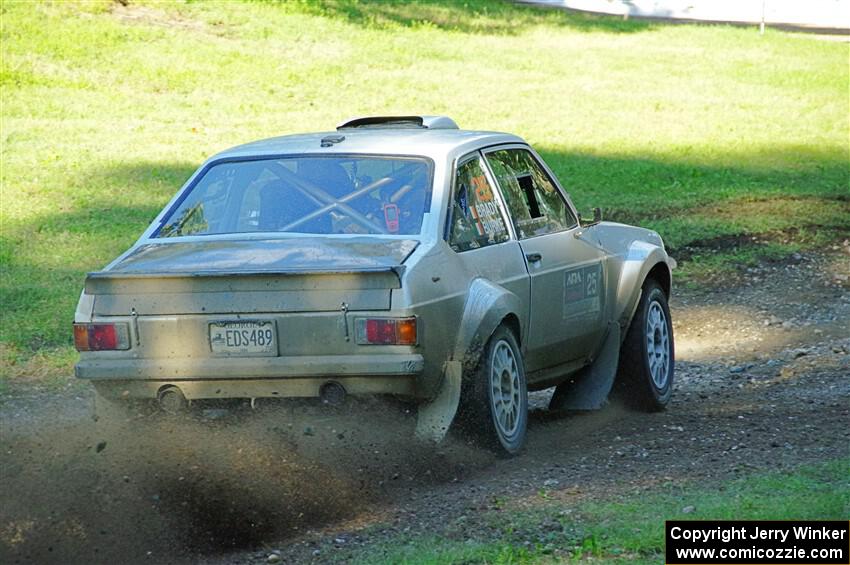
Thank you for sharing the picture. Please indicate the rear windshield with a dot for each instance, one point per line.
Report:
(313, 195)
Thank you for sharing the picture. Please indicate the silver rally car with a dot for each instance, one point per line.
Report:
(396, 255)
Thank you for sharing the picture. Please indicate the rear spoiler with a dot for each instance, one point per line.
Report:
(399, 269)
(110, 282)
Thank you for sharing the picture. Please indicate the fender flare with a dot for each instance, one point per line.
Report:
(487, 304)
(641, 258)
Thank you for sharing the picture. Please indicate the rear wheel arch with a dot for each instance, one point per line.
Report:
(488, 307)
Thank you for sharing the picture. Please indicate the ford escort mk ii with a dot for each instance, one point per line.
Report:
(395, 255)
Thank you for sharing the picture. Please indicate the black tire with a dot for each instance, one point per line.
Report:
(647, 360)
(498, 424)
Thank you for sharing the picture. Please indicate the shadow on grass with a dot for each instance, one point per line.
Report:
(688, 202)
(153, 183)
(44, 260)
(498, 17)
(636, 187)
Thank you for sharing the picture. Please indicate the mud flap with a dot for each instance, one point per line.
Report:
(435, 417)
(589, 388)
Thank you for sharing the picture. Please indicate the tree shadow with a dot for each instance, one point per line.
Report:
(757, 202)
(634, 188)
(44, 259)
(471, 16)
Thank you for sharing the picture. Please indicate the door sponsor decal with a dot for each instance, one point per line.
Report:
(582, 291)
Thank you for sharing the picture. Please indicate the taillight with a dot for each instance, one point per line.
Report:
(101, 337)
(386, 331)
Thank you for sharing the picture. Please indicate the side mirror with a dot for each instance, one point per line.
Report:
(597, 217)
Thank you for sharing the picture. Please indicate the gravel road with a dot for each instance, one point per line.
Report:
(763, 383)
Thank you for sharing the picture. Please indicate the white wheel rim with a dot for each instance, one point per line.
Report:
(657, 344)
(505, 389)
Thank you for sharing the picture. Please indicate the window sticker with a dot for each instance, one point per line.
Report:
(583, 291)
(482, 189)
(477, 220)
(479, 223)
(462, 200)
(487, 215)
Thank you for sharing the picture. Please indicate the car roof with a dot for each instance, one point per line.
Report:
(433, 143)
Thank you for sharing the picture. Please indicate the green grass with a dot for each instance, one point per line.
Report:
(629, 530)
(701, 132)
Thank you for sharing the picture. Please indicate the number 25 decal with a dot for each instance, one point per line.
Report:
(592, 284)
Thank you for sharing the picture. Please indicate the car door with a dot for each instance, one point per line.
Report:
(566, 270)
(479, 233)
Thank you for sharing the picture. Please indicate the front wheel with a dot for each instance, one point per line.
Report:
(496, 397)
(645, 371)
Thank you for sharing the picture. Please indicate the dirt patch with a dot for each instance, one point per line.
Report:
(130, 13)
(761, 385)
(739, 242)
(737, 208)
(761, 222)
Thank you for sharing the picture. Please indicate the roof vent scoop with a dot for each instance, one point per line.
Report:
(399, 122)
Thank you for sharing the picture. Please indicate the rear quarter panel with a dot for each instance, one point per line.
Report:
(459, 299)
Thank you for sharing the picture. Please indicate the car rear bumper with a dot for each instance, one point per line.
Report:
(254, 377)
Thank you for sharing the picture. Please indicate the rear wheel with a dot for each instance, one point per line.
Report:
(496, 396)
(645, 371)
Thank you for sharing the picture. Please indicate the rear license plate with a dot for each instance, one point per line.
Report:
(243, 338)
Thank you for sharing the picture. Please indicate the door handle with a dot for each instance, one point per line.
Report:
(533, 257)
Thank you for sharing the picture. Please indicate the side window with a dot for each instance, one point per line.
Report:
(536, 206)
(476, 218)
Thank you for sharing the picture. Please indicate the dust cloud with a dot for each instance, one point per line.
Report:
(225, 477)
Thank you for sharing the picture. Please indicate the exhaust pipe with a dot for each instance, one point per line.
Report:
(332, 393)
(171, 400)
